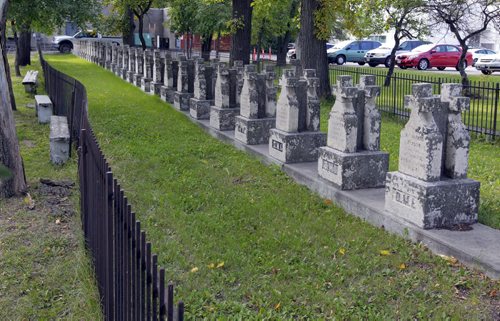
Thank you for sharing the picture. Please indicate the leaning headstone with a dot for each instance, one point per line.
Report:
(139, 66)
(131, 65)
(257, 107)
(125, 57)
(296, 137)
(428, 190)
(157, 72)
(185, 81)
(348, 162)
(169, 79)
(59, 140)
(147, 71)
(199, 105)
(44, 108)
(224, 111)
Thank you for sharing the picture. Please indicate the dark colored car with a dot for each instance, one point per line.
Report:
(429, 56)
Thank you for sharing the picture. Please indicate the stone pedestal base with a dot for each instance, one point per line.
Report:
(253, 131)
(113, 68)
(349, 171)
(118, 71)
(223, 118)
(155, 86)
(137, 79)
(123, 74)
(167, 94)
(181, 100)
(107, 65)
(146, 85)
(432, 204)
(295, 147)
(200, 109)
(130, 77)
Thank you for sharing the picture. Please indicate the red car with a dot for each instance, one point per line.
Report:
(428, 56)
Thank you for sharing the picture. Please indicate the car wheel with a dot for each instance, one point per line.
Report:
(340, 60)
(486, 72)
(441, 68)
(387, 62)
(361, 63)
(465, 66)
(423, 64)
(372, 64)
(65, 48)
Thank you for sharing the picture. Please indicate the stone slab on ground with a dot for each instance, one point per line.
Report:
(476, 248)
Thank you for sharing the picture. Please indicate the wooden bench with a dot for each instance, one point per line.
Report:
(30, 81)
(59, 139)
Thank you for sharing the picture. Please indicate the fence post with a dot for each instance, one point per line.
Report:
(83, 182)
(110, 246)
(495, 110)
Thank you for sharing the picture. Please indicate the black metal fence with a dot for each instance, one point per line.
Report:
(131, 284)
(482, 117)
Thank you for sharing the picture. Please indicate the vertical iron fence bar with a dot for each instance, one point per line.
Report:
(155, 287)
(495, 110)
(143, 275)
(180, 311)
(111, 252)
(170, 302)
(133, 271)
(149, 281)
(138, 270)
(162, 297)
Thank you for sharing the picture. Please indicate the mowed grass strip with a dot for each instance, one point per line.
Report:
(45, 273)
(241, 240)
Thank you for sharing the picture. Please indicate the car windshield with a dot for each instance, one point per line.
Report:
(341, 44)
(423, 48)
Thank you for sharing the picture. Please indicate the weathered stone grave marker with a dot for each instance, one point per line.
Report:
(428, 190)
(224, 111)
(351, 159)
(169, 79)
(296, 137)
(131, 65)
(257, 107)
(139, 66)
(125, 57)
(185, 81)
(203, 90)
(157, 72)
(147, 71)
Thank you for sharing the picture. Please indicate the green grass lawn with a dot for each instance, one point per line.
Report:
(45, 273)
(241, 240)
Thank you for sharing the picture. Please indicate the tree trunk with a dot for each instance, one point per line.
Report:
(23, 53)
(16, 42)
(240, 40)
(461, 64)
(141, 28)
(10, 157)
(313, 50)
(206, 47)
(128, 28)
(392, 57)
(3, 44)
(285, 39)
(260, 37)
(217, 46)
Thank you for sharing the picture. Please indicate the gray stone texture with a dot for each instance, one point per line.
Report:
(147, 69)
(202, 99)
(170, 74)
(157, 81)
(44, 108)
(185, 83)
(225, 109)
(59, 140)
(431, 189)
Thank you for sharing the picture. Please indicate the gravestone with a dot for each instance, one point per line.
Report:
(257, 107)
(185, 83)
(157, 72)
(431, 188)
(131, 65)
(105, 59)
(352, 159)
(224, 110)
(119, 60)
(147, 77)
(240, 71)
(139, 66)
(296, 137)
(125, 57)
(113, 57)
(169, 79)
(199, 105)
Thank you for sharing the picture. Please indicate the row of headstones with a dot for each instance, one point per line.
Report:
(430, 188)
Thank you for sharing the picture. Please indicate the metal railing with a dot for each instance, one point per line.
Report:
(131, 284)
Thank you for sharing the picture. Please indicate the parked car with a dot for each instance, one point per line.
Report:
(429, 56)
(382, 54)
(488, 64)
(291, 54)
(351, 51)
(65, 43)
(480, 52)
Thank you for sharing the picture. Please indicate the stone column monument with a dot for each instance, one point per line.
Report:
(257, 107)
(185, 82)
(139, 66)
(147, 77)
(431, 189)
(169, 79)
(296, 137)
(157, 72)
(131, 65)
(352, 159)
(125, 53)
(199, 105)
(224, 111)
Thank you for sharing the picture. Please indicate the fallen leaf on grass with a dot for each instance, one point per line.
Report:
(29, 201)
(211, 266)
(402, 266)
(342, 251)
(328, 202)
(450, 259)
(493, 293)
(277, 306)
(58, 221)
(385, 252)
(220, 265)
(194, 270)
